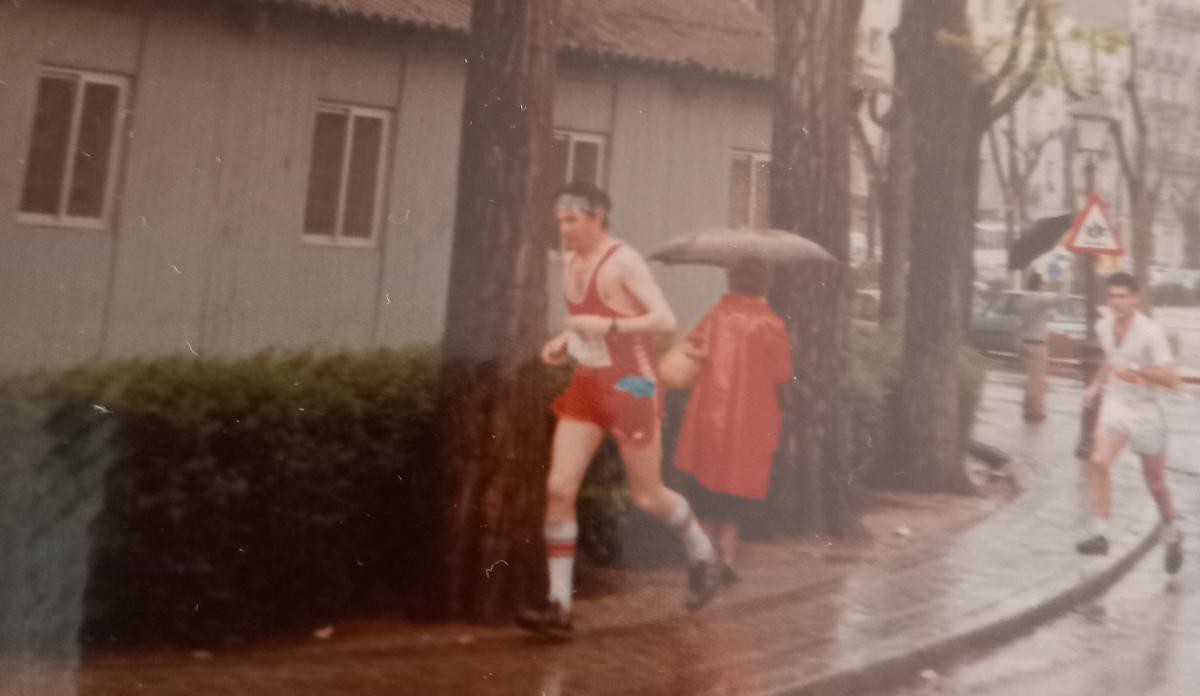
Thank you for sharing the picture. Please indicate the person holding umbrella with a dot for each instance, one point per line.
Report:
(732, 422)
(734, 360)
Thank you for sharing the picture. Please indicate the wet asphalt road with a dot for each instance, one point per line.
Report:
(1141, 638)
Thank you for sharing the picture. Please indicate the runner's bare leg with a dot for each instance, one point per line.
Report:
(1108, 444)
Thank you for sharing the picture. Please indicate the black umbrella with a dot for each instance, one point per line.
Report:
(1041, 237)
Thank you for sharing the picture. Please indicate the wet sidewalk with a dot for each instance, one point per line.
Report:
(826, 635)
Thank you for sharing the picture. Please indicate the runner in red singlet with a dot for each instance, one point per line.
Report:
(614, 310)
(609, 396)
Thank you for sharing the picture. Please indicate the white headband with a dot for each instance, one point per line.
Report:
(568, 201)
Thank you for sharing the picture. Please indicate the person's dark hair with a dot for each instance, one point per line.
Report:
(749, 277)
(1034, 282)
(595, 196)
(1121, 279)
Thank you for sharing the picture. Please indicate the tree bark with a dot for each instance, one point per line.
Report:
(896, 218)
(492, 422)
(810, 194)
(927, 440)
(1187, 210)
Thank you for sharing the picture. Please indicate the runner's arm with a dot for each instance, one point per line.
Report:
(639, 281)
(1159, 375)
(1160, 372)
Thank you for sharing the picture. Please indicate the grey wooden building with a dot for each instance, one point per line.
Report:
(221, 176)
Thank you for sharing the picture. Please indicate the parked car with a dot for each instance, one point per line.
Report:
(994, 323)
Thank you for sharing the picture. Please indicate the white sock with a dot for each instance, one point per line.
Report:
(696, 543)
(1170, 533)
(560, 559)
(1097, 526)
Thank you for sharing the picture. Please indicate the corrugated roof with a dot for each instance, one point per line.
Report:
(721, 36)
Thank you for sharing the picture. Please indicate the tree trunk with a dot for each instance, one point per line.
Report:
(492, 417)
(810, 194)
(927, 439)
(1143, 210)
(1188, 212)
(896, 222)
(973, 177)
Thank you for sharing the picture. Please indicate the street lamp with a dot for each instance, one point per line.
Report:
(1092, 120)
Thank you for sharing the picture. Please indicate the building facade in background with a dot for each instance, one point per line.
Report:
(235, 175)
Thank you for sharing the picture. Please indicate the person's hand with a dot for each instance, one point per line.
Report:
(1125, 370)
(589, 324)
(555, 350)
(1129, 375)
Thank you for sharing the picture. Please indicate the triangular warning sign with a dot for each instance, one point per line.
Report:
(1092, 233)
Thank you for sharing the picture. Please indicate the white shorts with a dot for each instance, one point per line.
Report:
(1143, 423)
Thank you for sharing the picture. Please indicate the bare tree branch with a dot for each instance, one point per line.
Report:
(1068, 87)
(1014, 48)
(1123, 154)
(1041, 53)
(1030, 157)
(1004, 179)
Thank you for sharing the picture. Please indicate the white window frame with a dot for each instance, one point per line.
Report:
(61, 218)
(756, 158)
(338, 239)
(598, 139)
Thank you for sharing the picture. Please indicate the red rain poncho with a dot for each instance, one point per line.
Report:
(731, 427)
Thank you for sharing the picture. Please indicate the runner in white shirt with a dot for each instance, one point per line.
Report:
(1136, 373)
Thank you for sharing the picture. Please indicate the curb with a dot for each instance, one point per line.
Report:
(887, 672)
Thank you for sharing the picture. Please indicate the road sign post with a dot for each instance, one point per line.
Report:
(1092, 234)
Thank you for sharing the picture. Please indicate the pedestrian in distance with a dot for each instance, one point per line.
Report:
(732, 422)
(1136, 373)
(614, 310)
(1033, 309)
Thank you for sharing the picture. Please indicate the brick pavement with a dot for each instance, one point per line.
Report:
(833, 635)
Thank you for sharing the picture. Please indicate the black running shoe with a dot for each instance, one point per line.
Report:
(704, 579)
(1094, 546)
(1173, 560)
(729, 576)
(549, 620)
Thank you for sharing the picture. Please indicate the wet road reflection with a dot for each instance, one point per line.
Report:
(1142, 637)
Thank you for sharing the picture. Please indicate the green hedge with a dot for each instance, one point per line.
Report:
(274, 491)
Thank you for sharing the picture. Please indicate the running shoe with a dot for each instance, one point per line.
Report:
(1173, 559)
(704, 579)
(1094, 546)
(549, 620)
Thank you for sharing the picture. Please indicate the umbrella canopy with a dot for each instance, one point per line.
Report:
(1041, 237)
(725, 247)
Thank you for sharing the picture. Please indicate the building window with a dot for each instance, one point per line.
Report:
(346, 175)
(750, 190)
(577, 156)
(73, 153)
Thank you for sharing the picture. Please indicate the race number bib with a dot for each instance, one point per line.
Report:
(589, 352)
